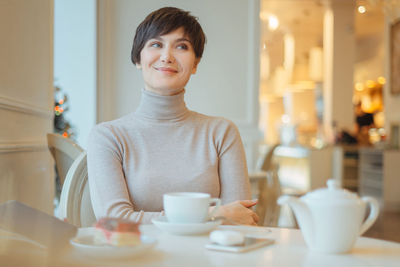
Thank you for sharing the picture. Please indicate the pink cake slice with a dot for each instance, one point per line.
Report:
(117, 232)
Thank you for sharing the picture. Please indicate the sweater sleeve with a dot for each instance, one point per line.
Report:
(232, 167)
(108, 189)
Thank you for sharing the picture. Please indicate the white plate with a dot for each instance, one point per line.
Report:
(85, 244)
(185, 228)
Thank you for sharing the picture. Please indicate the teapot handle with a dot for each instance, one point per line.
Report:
(373, 213)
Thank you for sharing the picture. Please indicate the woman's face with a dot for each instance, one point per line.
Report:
(167, 62)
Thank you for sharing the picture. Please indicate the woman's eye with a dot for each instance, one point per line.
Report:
(183, 46)
(156, 45)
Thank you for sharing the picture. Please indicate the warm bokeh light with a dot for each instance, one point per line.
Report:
(361, 9)
(381, 80)
(61, 101)
(65, 134)
(273, 22)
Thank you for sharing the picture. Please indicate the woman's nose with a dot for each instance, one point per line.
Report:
(166, 56)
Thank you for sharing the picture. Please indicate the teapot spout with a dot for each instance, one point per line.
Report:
(302, 214)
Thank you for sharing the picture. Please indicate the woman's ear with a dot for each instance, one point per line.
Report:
(196, 62)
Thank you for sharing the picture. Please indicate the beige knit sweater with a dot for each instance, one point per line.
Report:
(163, 147)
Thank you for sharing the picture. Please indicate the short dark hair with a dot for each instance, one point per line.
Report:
(164, 21)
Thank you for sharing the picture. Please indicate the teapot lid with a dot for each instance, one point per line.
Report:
(333, 192)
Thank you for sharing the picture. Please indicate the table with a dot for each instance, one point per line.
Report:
(172, 250)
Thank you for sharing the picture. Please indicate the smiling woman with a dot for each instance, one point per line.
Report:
(168, 46)
(164, 147)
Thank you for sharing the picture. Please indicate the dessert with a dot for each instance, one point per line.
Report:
(117, 232)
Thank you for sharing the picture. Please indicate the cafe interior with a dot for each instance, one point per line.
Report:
(312, 85)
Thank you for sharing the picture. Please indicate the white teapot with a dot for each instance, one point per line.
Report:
(332, 218)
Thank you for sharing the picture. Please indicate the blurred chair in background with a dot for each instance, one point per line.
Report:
(75, 204)
(64, 152)
(269, 189)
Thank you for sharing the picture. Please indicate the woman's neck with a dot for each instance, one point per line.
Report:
(166, 92)
(162, 107)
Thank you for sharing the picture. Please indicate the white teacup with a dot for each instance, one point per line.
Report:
(188, 207)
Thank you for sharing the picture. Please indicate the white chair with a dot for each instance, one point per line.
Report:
(64, 152)
(75, 204)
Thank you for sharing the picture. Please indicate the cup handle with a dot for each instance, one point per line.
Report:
(217, 203)
(373, 213)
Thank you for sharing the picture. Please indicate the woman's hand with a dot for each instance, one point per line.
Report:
(239, 212)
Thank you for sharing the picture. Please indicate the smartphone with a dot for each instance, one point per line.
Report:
(249, 244)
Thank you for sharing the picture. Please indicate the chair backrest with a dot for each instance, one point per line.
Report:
(75, 204)
(269, 189)
(64, 152)
(268, 158)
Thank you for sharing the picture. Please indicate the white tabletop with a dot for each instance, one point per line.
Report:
(173, 250)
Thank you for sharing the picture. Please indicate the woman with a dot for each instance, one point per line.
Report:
(164, 147)
(364, 122)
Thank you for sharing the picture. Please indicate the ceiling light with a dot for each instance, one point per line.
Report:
(361, 9)
(273, 22)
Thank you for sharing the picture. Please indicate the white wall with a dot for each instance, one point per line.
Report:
(226, 83)
(75, 61)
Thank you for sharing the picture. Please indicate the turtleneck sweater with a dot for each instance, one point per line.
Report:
(160, 148)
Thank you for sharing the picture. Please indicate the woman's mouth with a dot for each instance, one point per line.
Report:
(166, 69)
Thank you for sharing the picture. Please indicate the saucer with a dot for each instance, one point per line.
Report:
(185, 228)
(85, 244)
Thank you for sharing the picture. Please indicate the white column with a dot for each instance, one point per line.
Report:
(26, 103)
(339, 45)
